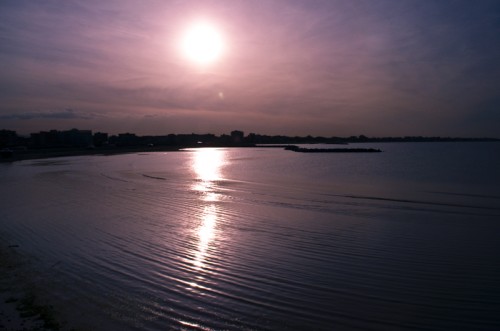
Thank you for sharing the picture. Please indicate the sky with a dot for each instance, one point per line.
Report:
(289, 67)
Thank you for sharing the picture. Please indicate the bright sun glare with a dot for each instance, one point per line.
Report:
(202, 43)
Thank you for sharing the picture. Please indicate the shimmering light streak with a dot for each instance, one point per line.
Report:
(207, 163)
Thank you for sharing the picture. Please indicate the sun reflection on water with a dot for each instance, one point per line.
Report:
(207, 164)
(206, 233)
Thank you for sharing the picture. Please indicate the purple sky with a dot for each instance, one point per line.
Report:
(331, 68)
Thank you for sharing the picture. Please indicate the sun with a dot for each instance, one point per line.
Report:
(202, 43)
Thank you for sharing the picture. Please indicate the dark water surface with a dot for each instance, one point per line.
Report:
(264, 239)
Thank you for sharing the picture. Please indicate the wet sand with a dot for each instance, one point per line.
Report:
(30, 154)
(10, 317)
(19, 308)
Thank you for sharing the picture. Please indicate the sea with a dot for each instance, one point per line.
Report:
(262, 238)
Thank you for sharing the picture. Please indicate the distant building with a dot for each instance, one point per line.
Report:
(100, 139)
(44, 139)
(77, 138)
(237, 136)
(126, 139)
(8, 138)
(70, 138)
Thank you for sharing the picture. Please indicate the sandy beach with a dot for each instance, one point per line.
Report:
(19, 307)
(10, 317)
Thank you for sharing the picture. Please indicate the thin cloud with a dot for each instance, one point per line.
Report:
(67, 114)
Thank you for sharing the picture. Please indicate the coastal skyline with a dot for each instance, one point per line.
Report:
(325, 68)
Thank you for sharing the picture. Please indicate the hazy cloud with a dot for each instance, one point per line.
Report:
(56, 115)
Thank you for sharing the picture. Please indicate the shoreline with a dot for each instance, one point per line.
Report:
(11, 318)
(46, 153)
(21, 308)
(33, 154)
(13, 291)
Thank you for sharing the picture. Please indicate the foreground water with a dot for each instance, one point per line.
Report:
(263, 239)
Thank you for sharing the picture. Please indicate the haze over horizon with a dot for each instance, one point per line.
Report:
(324, 68)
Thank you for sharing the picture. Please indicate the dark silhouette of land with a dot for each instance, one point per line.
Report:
(331, 150)
(73, 142)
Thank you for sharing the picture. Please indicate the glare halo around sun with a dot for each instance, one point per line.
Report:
(202, 43)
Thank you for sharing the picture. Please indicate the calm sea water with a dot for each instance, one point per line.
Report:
(263, 239)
